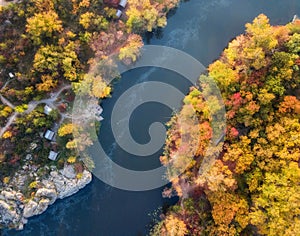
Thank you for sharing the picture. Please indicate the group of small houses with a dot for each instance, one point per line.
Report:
(50, 135)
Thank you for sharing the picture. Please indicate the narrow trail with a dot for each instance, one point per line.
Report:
(49, 101)
(6, 102)
(6, 83)
(9, 122)
(31, 106)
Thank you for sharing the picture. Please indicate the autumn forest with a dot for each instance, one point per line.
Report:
(239, 175)
(252, 187)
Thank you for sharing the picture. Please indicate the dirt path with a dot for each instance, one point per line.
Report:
(31, 106)
(49, 101)
(6, 102)
(9, 122)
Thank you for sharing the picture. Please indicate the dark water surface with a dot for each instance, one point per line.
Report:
(201, 28)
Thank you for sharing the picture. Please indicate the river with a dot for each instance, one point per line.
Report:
(201, 28)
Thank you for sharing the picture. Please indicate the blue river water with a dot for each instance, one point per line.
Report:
(201, 28)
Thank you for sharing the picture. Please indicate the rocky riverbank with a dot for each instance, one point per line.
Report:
(16, 207)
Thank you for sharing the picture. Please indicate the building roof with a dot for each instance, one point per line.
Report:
(47, 109)
(119, 13)
(53, 155)
(11, 75)
(123, 3)
(49, 135)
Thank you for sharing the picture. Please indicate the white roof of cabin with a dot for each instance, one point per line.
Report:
(49, 135)
(53, 155)
(47, 109)
(123, 3)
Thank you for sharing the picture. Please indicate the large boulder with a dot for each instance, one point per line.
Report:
(85, 179)
(33, 208)
(65, 185)
(8, 213)
(47, 193)
(29, 209)
(9, 195)
(69, 189)
(14, 210)
(42, 206)
(68, 171)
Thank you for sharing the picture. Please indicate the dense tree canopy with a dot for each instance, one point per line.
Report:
(43, 26)
(251, 186)
(48, 45)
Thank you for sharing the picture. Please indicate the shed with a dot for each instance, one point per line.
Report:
(123, 3)
(119, 13)
(49, 135)
(47, 109)
(11, 75)
(53, 155)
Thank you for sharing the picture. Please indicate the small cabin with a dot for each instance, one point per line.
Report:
(49, 135)
(47, 109)
(119, 13)
(123, 3)
(11, 75)
(53, 155)
(121, 7)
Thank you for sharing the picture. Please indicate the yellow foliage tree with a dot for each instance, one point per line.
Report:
(47, 83)
(262, 33)
(86, 18)
(175, 226)
(144, 15)
(99, 88)
(276, 206)
(66, 129)
(226, 208)
(223, 74)
(130, 52)
(42, 25)
(7, 134)
(71, 159)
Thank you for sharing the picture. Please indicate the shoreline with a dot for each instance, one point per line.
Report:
(32, 188)
(58, 184)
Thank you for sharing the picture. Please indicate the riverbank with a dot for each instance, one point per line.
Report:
(46, 61)
(16, 207)
(246, 183)
(96, 208)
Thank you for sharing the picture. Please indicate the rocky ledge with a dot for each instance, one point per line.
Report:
(15, 208)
